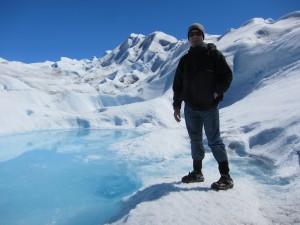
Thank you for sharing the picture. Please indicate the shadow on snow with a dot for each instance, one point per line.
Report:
(152, 193)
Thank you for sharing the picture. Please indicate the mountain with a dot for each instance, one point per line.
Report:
(130, 88)
(139, 69)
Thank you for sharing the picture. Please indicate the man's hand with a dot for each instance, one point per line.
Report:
(216, 95)
(177, 115)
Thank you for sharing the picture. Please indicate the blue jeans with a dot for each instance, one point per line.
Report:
(195, 121)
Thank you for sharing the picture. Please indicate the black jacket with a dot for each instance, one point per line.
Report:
(200, 73)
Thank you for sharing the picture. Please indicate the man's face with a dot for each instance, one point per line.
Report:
(195, 37)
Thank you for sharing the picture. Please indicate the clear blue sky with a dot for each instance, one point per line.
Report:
(40, 30)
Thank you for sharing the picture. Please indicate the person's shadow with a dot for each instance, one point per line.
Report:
(152, 193)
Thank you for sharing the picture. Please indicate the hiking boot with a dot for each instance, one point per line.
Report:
(224, 183)
(193, 177)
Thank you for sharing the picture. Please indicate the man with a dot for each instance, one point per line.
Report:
(201, 79)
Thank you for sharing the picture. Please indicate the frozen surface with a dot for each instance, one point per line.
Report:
(97, 177)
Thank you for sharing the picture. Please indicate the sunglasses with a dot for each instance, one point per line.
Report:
(195, 33)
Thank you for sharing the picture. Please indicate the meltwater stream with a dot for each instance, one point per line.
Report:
(63, 177)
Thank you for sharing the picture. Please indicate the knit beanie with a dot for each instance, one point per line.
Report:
(196, 26)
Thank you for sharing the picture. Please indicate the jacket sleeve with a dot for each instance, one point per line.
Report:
(224, 74)
(178, 85)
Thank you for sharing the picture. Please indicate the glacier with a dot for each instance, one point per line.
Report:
(129, 88)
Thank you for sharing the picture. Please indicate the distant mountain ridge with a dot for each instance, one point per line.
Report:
(142, 67)
(140, 60)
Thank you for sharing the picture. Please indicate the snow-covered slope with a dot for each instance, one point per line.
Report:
(259, 49)
(54, 95)
(130, 87)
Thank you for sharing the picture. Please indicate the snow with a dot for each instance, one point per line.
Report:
(130, 88)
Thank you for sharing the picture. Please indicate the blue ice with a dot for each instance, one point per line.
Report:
(63, 177)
